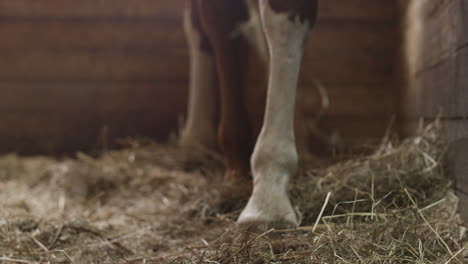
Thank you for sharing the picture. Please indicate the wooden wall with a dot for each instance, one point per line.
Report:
(352, 52)
(71, 70)
(437, 52)
(75, 72)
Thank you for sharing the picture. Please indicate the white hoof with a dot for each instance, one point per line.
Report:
(264, 213)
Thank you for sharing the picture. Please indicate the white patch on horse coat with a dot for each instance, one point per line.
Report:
(275, 155)
(200, 127)
(252, 30)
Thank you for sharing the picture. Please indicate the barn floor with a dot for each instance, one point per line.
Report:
(161, 204)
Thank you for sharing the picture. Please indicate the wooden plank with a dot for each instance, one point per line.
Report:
(354, 131)
(451, 129)
(356, 100)
(443, 32)
(352, 36)
(454, 129)
(358, 10)
(441, 90)
(164, 64)
(360, 100)
(54, 110)
(72, 35)
(439, 86)
(361, 10)
(56, 133)
(168, 64)
(349, 66)
(49, 133)
(461, 84)
(94, 97)
(54, 118)
(431, 91)
(31, 9)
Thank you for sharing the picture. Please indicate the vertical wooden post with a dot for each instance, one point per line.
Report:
(436, 35)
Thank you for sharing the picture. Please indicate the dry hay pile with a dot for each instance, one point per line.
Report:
(160, 204)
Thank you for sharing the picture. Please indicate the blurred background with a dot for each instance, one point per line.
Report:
(79, 75)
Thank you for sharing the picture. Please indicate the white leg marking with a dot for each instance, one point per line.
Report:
(275, 156)
(200, 127)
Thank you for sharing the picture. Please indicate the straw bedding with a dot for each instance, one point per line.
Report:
(161, 204)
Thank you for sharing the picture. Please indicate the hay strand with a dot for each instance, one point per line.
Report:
(158, 203)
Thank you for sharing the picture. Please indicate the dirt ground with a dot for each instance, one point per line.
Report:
(161, 204)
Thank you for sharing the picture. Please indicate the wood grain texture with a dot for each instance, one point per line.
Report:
(100, 65)
(69, 68)
(55, 133)
(443, 35)
(68, 9)
(440, 82)
(357, 10)
(361, 100)
(96, 35)
(361, 66)
(439, 86)
(93, 97)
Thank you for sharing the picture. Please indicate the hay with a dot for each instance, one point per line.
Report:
(161, 204)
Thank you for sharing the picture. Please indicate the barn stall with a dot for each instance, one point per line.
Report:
(78, 77)
(73, 72)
